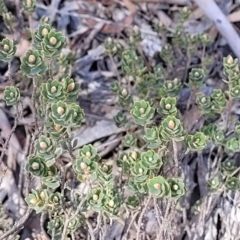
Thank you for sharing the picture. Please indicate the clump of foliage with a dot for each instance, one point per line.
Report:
(156, 141)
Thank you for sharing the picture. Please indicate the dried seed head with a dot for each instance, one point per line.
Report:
(31, 59)
(95, 197)
(142, 110)
(53, 41)
(60, 110)
(230, 60)
(57, 127)
(53, 89)
(43, 145)
(6, 47)
(171, 124)
(44, 32)
(157, 186)
(35, 166)
(111, 203)
(175, 187)
(124, 92)
(70, 87)
(88, 154)
(168, 106)
(83, 166)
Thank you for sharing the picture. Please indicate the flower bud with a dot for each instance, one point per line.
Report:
(111, 203)
(31, 59)
(11, 94)
(168, 106)
(105, 168)
(142, 110)
(42, 195)
(43, 145)
(57, 127)
(230, 60)
(70, 87)
(55, 199)
(171, 124)
(83, 166)
(35, 166)
(124, 92)
(134, 155)
(60, 110)
(6, 48)
(157, 186)
(53, 89)
(44, 32)
(95, 197)
(33, 201)
(175, 187)
(88, 154)
(53, 41)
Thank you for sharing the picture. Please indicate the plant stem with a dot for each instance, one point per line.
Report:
(141, 216)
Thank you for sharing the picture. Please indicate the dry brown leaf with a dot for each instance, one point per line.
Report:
(114, 27)
(131, 7)
(22, 47)
(234, 17)
(178, 2)
(164, 18)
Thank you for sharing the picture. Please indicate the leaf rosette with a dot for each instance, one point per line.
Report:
(151, 160)
(70, 89)
(7, 50)
(171, 129)
(37, 166)
(11, 95)
(232, 183)
(32, 63)
(53, 43)
(142, 112)
(177, 187)
(167, 106)
(158, 187)
(52, 91)
(196, 142)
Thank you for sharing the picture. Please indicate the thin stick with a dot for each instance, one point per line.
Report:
(223, 25)
(17, 225)
(141, 216)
